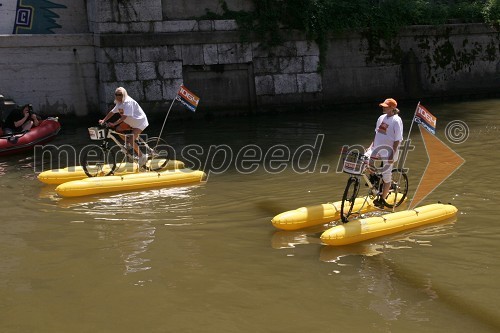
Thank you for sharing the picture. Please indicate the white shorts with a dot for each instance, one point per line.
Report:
(137, 123)
(387, 172)
(381, 165)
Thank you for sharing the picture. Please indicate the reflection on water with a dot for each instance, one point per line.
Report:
(290, 239)
(128, 221)
(152, 202)
(133, 244)
(386, 300)
(23, 163)
(3, 168)
(335, 254)
(282, 239)
(420, 236)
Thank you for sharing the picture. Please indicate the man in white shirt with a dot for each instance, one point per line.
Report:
(385, 145)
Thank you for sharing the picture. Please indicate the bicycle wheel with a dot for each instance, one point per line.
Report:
(158, 154)
(398, 190)
(350, 195)
(96, 161)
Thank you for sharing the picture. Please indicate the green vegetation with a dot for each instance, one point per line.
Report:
(377, 19)
(491, 12)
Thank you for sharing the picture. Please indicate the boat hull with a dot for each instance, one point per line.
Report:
(41, 134)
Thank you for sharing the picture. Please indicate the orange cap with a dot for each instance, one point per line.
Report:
(389, 103)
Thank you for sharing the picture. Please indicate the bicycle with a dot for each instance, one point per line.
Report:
(106, 158)
(360, 166)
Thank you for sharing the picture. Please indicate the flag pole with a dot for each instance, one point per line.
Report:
(165, 120)
(405, 151)
(407, 142)
(413, 119)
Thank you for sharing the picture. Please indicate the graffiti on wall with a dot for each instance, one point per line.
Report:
(28, 16)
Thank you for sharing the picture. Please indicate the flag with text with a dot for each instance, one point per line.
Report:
(426, 119)
(187, 98)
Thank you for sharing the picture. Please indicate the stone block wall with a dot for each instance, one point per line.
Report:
(153, 68)
(423, 61)
(168, 48)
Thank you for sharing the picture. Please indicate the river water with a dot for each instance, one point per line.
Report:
(206, 258)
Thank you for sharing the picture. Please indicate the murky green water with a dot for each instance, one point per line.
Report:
(205, 258)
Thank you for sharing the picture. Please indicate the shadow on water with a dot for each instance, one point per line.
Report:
(270, 207)
(451, 299)
(381, 274)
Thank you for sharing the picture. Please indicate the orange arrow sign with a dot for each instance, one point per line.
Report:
(443, 162)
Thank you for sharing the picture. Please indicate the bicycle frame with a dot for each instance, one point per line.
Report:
(112, 134)
(372, 190)
(107, 160)
(360, 167)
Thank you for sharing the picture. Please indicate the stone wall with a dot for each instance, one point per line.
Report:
(210, 59)
(423, 61)
(224, 72)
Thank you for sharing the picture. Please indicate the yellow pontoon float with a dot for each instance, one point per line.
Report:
(59, 176)
(363, 229)
(309, 216)
(136, 181)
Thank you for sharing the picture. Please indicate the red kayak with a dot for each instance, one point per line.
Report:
(18, 142)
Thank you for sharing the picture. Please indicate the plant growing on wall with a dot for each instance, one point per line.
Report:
(376, 19)
(491, 13)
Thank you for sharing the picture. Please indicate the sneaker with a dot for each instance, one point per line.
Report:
(379, 202)
(143, 159)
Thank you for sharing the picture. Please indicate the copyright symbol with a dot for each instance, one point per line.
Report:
(457, 131)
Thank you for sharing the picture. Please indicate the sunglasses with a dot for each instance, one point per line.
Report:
(118, 94)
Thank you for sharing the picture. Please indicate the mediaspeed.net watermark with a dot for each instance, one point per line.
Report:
(213, 160)
(248, 159)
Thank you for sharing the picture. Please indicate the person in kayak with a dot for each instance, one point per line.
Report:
(20, 120)
(385, 145)
(132, 118)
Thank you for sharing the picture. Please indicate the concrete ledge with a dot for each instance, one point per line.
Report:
(225, 25)
(447, 29)
(180, 38)
(160, 39)
(176, 26)
(20, 41)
